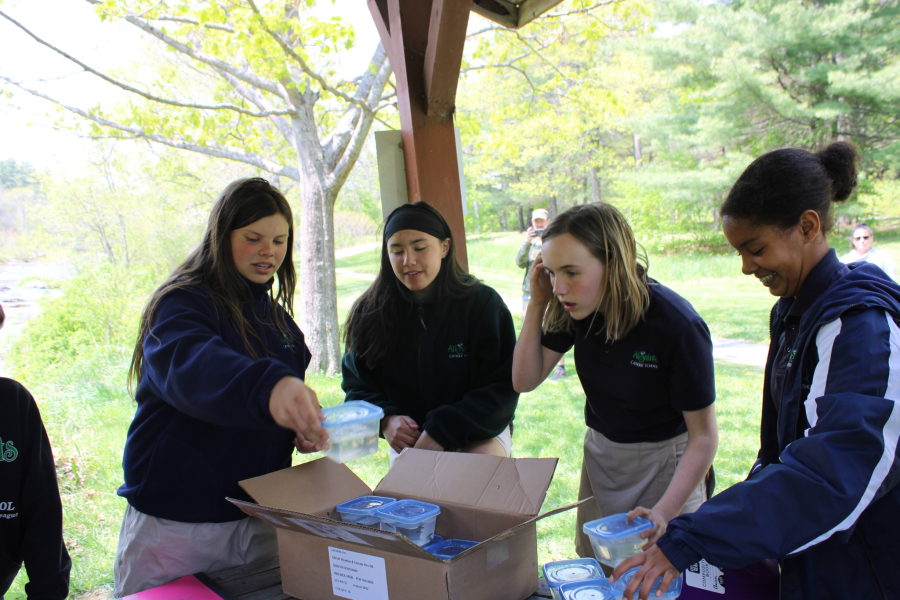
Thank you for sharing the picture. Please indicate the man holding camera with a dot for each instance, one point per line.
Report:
(529, 251)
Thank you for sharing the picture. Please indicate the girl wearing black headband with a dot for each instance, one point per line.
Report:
(431, 345)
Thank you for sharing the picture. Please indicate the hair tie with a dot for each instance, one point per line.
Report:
(409, 216)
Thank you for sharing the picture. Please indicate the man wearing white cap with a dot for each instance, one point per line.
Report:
(529, 251)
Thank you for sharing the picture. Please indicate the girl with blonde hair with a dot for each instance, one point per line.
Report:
(644, 358)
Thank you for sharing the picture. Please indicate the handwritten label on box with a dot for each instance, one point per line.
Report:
(357, 576)
(705, 576)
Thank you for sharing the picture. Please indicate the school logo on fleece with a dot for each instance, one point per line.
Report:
(644, 360)
(287, 341)
(457, 351)
(6, 510)
(8, 452)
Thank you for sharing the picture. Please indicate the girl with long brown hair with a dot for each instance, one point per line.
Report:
(431, 345)
(219, 365)
(644, 358)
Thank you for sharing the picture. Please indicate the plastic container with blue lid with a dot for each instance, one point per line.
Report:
(447, 549)
(361, 511)
(672, 592)
(614, 539)
(411, 518)
(589, 589)
(566, 571)
(352, 429)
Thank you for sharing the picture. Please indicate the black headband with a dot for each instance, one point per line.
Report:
(409, 217)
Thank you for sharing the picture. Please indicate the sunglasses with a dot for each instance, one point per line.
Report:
(862, 237)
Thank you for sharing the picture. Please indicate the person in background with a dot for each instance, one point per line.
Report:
(528, 252)
(823, 497)
(31, 517)
(220, 398)
(431, 345)
(862, 240)
(644, 358)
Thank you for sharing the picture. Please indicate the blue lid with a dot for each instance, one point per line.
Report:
(447, 549)
(364, 505)
(565, 571)
(615, 527)
(673, 591)
(590, 589)
(409, 511)
(349, 413)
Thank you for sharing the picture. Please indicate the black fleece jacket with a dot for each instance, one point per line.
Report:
(450, 372)
(30, 509)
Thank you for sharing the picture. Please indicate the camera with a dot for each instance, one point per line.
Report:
(538, 232)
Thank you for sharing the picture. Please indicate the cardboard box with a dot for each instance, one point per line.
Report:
(489, 499)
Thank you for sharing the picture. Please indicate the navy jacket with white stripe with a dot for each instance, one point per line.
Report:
(823, 497)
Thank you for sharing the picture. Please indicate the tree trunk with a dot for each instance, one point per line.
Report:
(522, 227)
(318, 283)
(553, 209)
(504, 222)
(595, 185)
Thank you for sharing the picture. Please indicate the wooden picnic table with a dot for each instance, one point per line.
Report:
(262, 581)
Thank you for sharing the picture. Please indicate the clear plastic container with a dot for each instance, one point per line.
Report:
(672, 592)
(614, 539)
(352, 429)
(566, 571)
(447, 549)
(411, 518)
(361, 511)
(589, 589)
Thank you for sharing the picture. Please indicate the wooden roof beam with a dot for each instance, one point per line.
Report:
(443, 55)
(513, 14)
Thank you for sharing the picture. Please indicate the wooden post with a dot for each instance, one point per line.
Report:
(424, 41)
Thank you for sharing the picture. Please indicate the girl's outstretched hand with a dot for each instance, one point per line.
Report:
(655, 565)
(295, 406)
(657, 517)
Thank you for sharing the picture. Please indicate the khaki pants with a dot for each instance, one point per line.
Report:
(622, 477)
(155, 551)
(504, 439)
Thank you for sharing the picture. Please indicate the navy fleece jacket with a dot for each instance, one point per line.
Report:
(824, 496)
(31, 519)
(451, 372)
(202, 422)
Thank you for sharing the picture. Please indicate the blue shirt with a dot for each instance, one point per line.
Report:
(638, 386)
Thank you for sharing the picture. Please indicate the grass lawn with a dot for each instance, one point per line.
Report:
(87, 414)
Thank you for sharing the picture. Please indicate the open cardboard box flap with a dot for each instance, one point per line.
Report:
(313, 488)
(508, 485)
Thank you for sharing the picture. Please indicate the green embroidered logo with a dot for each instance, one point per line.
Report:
(457, 350)
(287, 341)
(8, 452)
(644, 360)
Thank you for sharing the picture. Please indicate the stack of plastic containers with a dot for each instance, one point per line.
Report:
(362, 510)
(560, 573)
(447, 549)
(352, 429)
(614, 539)
(411, 518)
(672, 592)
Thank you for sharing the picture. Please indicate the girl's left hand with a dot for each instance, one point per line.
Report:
(657, 517)
(303, 445)
(426, 442)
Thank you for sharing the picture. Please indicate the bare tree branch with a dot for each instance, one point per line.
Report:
(234, 154)
(228, 28)
(305, 67)
(137, 91)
